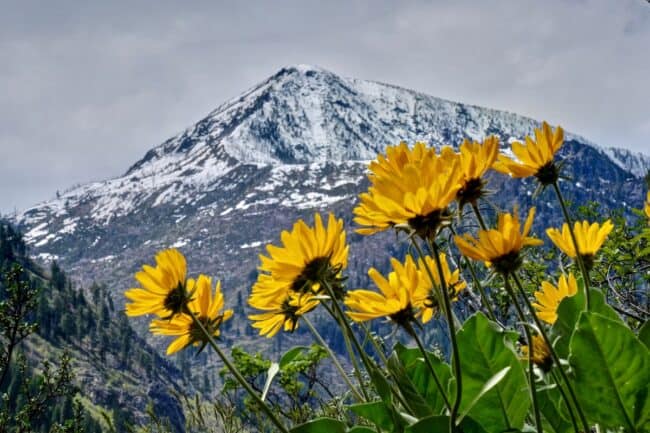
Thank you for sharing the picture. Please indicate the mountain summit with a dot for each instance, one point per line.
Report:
(289, 146)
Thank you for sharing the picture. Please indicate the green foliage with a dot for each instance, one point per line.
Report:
(485, 351)
(612, 372)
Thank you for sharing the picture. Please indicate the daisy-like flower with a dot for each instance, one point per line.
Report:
(646, 208)
(281, 313)
(205, 306)
(535, 158)
(541, 354)
(589, 238)
(405, 296)
(308, 258)
(410, 188)
(163, 288)
(500, 247)
(475, 160)
(549, 298)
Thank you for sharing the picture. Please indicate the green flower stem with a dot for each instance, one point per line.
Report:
(432, 370)
(477, 282)
(336, 362)
(479, 217)
(453, 413)
(350, 350)
(239, 377)
(378, 349)
(566, 399)
(581, 263)
(529, 340)
(556, 359)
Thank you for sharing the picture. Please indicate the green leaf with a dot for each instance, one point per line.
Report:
(552, 418)
(416, 401)
(292, 354)
(491, 383)
(567, 316)
(273, 370)
(377, 412)
(612, 372)
(361, 429)
(320, 425)
(436, 423)
(644, 334)
(421, 378)
(381, 384)
(485, 350)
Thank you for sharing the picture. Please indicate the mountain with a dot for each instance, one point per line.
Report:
(296, 143)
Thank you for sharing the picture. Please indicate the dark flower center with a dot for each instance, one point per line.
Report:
(507, 263)
(588, 260)
(176, 300)
(404, 317)
(548, 173)
(319, 271)
(471, 191)
(427, 226)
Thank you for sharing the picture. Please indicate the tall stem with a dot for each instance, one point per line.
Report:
(350, 350)
(566, 399)
(452, 328)
(235, 372)
(336, 362)
(479, 217)
(378, 349)
(556, 359)
(432, 370)
(529, 340)
(581, 263)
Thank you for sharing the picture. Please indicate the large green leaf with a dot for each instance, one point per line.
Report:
(612, 372)
(421, 379)
(437, 424)
(417, 404)
(485, 350)
(644, 334)
(567, 316)
(553, 420)
(321, 425)
(378, 413)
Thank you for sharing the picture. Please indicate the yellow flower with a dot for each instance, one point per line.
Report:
(409, 188)
(646, 208)
(589, 238)
(475, 160)
(500, 247)
(163, 290)
(541, 353)
(550, 297)
(402, 296)
(282, 313)
(405, 295)
(308, 258)
(535, 158)
(207, 309)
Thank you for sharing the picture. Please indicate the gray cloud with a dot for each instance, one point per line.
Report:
(88, 87)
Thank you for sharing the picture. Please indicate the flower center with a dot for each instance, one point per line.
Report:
(176, 299)
(312, 274)
(404, 317)
(471, 191)
(507, 263)
(427, 226)
(548, 173)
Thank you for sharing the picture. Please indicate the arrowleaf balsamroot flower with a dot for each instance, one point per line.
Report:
(205, 306)
(535, 158)
(500, 247)
(549, 298)
(308, 258)
(407, 293)
(475, 160)
(589, 238)
(409, 188)
(646, 208)
(163, 288)
(282, 313)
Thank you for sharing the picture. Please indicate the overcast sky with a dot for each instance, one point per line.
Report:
(87, 87)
